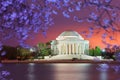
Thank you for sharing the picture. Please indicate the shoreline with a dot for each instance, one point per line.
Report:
(57, 61)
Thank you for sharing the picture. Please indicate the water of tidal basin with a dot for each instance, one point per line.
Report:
(59, 71)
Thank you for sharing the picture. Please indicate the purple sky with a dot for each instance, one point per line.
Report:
(61, 24)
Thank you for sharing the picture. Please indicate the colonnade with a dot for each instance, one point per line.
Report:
(71, 48)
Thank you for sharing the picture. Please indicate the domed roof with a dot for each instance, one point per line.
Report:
(69, 35)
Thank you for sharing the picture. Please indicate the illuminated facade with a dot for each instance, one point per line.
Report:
(70, 43)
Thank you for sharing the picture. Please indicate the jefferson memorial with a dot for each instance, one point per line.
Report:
(69, 44)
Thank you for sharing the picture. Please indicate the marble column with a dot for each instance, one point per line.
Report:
(79, 49)
(59, 49)
(83, 48)
(66, 49)
(63, 49)
(76, 48)
(73, 49)
(69, 49)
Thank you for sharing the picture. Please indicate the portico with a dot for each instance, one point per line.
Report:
(70, 43)
(72, 47)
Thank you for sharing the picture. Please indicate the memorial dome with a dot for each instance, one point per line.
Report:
(69, 45)
(69, 35)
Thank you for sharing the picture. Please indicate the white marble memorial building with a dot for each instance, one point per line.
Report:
(70, 43)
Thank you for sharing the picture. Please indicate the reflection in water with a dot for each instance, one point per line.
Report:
(103, 76)
(116, 68)
(71, 72)
(65, 71)
(103, 67)
(31, 72)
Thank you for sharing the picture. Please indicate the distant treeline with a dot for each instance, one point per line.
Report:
(8, 52)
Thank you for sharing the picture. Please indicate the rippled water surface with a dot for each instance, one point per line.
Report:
(62, 71)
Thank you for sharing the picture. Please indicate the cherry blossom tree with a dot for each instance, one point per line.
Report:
(19, 18)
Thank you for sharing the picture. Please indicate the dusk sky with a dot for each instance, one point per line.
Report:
(62, 24)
